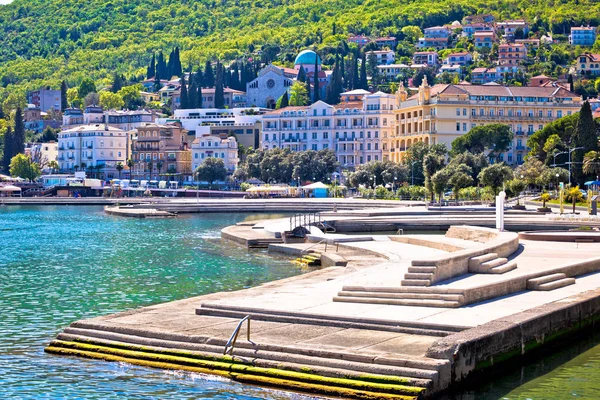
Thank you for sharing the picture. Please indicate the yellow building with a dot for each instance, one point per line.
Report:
(441, 113)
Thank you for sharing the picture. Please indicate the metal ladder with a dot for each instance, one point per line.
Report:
(231, 342)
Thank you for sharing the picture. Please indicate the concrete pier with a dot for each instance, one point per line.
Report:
(409, 316)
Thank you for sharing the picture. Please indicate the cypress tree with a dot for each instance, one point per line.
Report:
(192, 93)
(301, 74)
(117, 83)
(219, 93)
(354, 80)
(19, 133)
(585, 136)
(316, 94)
(8, 148)
(183, 98)
(151, 71)
(177, 69)
(170, 64)
(226, 77)
(342, 72)
(199, 97)
(364, 84)
(161, 66)
(235, 78)
(285, 100)
(157, 82)
(63, 97)
(571, 83)
(209, 77)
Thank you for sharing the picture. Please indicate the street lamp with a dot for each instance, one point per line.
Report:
(412, 173)
(571, 151)
(394, 185)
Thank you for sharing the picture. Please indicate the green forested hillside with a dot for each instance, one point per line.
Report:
(45, 41)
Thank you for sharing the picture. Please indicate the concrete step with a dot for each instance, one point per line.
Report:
(380, 295)
(476, 261)
(501, 269)
(358, 322)
(415, 282)
(535, 282)
(420, 370)
(401, 289)
(493, 263)
(422, 270)
(556, 284)
(399, 302)
(419, 276)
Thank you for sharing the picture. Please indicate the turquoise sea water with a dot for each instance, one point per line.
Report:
(61, 264)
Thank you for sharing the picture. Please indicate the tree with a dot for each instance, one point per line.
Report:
(13, 101)
(86, 86)
(516, 187)
(422, 73)
(276, 166)
(132, 96)
(8, 149)
(159, 166)
(586, 137)
(151, 70)
(531, 171)
(92, 99)
(211, 170)
(439, 182)
(18, 133)
(219, 91)
(591, 163)
(496, 138)
(301, 75)
(364, 84)
(432, 163)
(22, 166)
(354, 79)
(117, 83)
(209, 77)
(183, 97)
(130, 164)
(476, 162)
(119, 167)
(111, 101)
(313, 165)
(64, 104)
(495, 175)
(372, 67)
(283, 101)
(298, 94)
(54, 166)
(412, 33)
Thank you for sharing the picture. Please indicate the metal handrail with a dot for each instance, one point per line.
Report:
(314, 245)
(231, 342)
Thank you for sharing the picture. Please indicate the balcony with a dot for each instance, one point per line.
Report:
(71, 147)
(90, 157)
(61, 148)
(90, 146)
(520, 147)
(171, 158)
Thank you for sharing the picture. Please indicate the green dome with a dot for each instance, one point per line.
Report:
(307, 57)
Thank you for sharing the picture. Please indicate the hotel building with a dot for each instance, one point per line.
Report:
(441, 113)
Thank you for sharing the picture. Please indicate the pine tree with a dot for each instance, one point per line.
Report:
(219, 93)
(183, 98)
(316, 94)
(19, 133)
(117, 83)
(63, 97)
(301, 74)
(151, 70)
(571, 83)
(585, 136)
(364, 84)
(209, 77)
(355, 79)
(8, 149)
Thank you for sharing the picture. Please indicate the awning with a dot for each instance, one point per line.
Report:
(10, 188)
(316, 185)
(590, 183)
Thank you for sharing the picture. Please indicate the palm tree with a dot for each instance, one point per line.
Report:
(150, 166)
(119, 168)
(53, 165)
(575, 194)
(591, 163)
(130, 164)
(159, 166)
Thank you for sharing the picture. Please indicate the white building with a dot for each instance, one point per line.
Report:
(244, 123)
(126, 120)
(353, 129)
(43, 153)
(384, 57)
(392, 71)
(85, 146)
(223, 147)
(270, 84)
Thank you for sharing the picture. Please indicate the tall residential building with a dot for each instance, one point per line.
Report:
(125, 120)
(441, 113)
(85, 146)
(354, 129)
(511, 54)
(46, 99)
(160, 149)
(510, 28)
(583, 36)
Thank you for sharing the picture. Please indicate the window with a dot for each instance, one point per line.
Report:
(458, 112)
(314, 135)
(325, 135)
(314, 146)
(464, 127)
(195, 155)
(464, 112)
(559, 114)
(266, 136)
(458, 126)
(549, 113)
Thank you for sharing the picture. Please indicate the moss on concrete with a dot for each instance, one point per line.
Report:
(345, 387)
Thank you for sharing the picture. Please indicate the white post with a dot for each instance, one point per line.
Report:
(500, 210)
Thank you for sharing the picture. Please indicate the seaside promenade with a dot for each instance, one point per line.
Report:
(404, 316)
